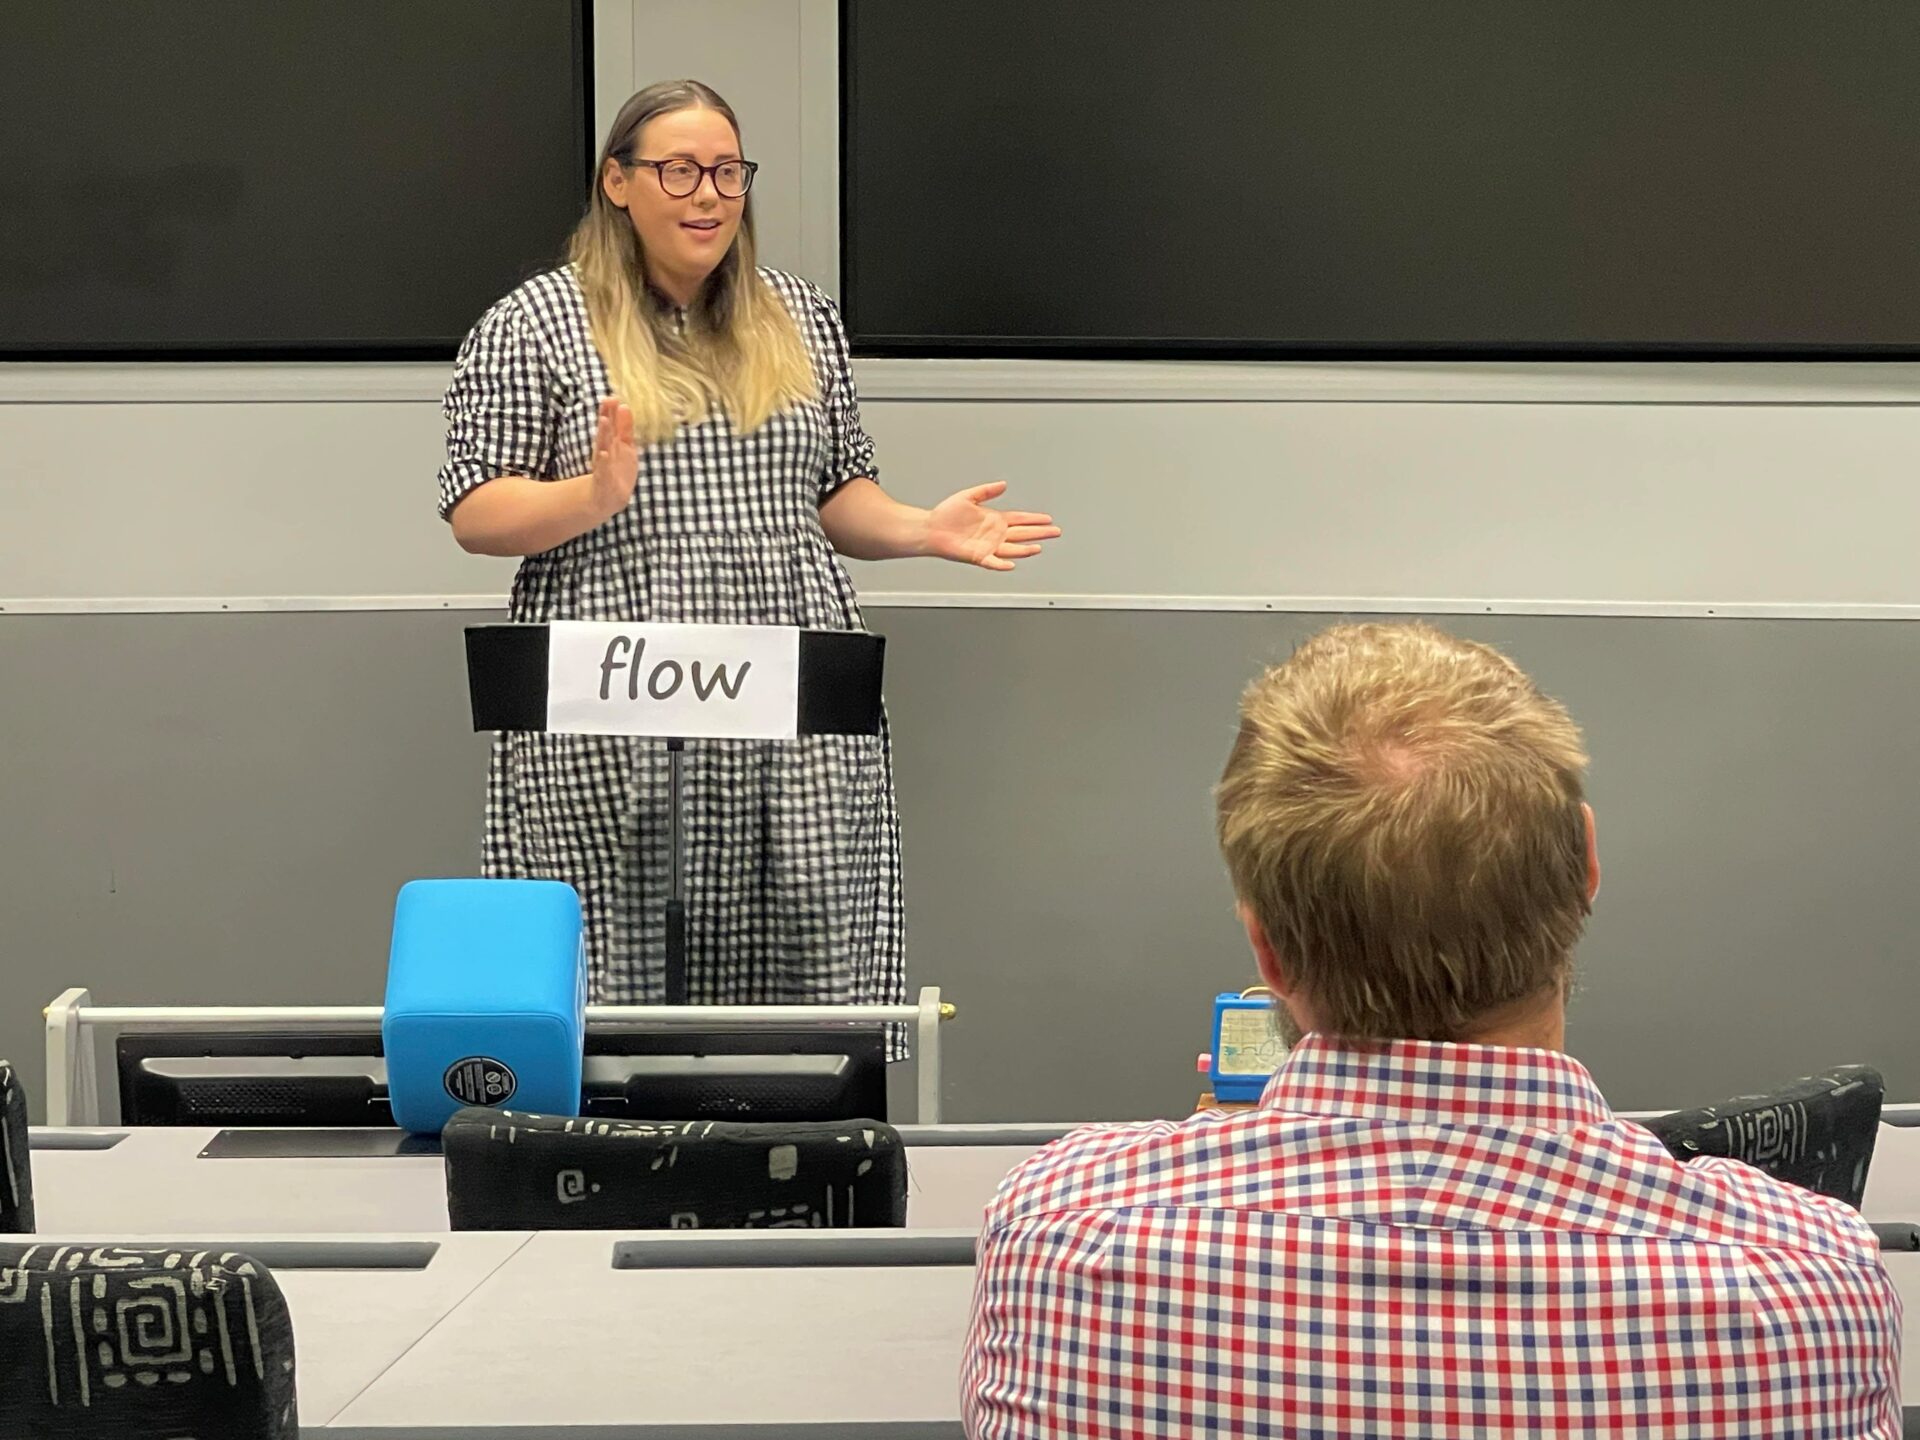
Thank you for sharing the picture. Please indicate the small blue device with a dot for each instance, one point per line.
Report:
(1247, 1049)
(486, 999)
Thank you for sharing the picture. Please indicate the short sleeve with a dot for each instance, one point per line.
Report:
(498, 421)
(851, 454)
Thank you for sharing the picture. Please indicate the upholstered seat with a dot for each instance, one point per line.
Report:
(512, 1171)
(1817, 1133)
(16, 1167)
(128, 1343)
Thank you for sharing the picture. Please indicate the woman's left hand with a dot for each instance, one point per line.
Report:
(962, 528)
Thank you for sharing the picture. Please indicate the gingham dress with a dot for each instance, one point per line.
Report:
(792, 849)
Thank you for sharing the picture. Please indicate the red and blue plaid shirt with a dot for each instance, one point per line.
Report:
(1422, 1240)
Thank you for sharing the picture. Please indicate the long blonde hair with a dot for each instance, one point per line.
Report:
(741, 353)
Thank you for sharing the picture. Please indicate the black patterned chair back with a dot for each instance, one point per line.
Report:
(1817, 1133)
(16, 1183)
(129, 1343)
(510, 1171)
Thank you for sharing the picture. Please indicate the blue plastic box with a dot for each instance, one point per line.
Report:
(1247, 1049)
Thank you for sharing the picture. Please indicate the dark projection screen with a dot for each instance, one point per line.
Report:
(1606, 178)
(281, 178)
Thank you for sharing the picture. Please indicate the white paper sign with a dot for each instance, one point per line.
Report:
(694, 682)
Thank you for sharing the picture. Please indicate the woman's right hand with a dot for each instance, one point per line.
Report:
(616, 461)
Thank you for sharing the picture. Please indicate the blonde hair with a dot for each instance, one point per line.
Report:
(741, 354)
(1401, 813)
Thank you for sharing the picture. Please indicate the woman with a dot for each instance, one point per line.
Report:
(668, 433)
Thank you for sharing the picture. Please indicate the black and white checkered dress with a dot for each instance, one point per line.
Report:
(792, 848)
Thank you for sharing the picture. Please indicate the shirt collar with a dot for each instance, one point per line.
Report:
(1431, 1082)
(672, 309)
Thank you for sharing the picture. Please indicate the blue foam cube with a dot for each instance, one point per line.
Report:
(486, 999)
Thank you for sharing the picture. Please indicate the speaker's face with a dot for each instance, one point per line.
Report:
(684, 235)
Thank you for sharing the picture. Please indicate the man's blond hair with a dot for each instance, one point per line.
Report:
(1402, 815)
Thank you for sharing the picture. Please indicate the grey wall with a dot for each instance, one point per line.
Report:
(218, 806)
(1601, 503)
(1753, 782)
(1546, 486)
(219, 809)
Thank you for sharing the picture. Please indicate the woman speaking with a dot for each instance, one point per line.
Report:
(668, 433)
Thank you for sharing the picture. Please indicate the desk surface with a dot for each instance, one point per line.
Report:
(1904, 1268)
(351, 1326)
(694, 1354)
(511, 1334)
(660, 1351)
(152, 1180)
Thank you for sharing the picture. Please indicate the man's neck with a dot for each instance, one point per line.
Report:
(1536, 1022)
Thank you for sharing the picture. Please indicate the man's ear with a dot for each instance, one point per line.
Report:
(1593, 855)
(1293, 1016)
(1264, 959)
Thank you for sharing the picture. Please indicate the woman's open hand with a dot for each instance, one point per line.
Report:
(962, 527)
(616, 460)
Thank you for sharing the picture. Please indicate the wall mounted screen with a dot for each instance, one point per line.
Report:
(299, 179)
(1479, 178)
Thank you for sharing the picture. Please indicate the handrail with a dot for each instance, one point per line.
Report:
(73, 1096)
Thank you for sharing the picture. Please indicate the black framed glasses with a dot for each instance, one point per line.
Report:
(680, 178)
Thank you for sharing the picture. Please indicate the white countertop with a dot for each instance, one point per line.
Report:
(153, 1180)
